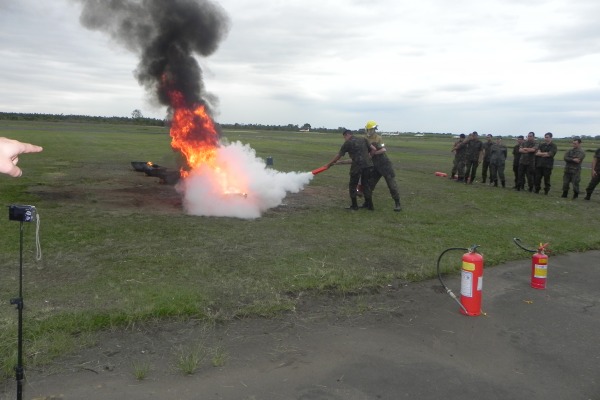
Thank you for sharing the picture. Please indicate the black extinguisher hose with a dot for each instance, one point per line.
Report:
(450, 293)
(518, 243)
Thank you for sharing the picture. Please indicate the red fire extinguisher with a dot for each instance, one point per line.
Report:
(539, 265)
(471, 281)
(539, 268)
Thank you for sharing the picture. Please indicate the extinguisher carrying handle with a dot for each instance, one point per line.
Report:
(473, 249)
(518, 243)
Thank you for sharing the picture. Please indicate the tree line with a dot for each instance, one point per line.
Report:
(138, 119)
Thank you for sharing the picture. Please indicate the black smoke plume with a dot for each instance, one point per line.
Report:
(166, 34)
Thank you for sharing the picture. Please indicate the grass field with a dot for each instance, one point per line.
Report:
(117, 247)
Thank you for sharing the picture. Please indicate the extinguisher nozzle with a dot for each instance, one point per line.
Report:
(451, 294)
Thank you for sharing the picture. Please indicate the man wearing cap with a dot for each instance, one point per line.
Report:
(527, 162)
(544, 162)
(360, 170)
(382, 166)
(487, 147)
(516, 157)
(473, 156)
(572, 175)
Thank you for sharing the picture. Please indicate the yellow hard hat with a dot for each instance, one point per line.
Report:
(371, 125)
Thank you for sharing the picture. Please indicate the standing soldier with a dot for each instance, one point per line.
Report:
(457, 157)
(487, 147)
(572, 174)
(516, 158)
(358, 149)
(595, 175)
(527, 162)
(544, 162)
(498, 154)
(382, 165)
(473, 157)
(460, 156)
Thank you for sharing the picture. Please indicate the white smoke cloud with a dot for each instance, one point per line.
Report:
(253, 188)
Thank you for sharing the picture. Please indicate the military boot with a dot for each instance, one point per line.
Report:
(575, 195)
(398, 207)
(369, 203)
(354, 205)
(503, 184)
(565, 194)
(588, 196)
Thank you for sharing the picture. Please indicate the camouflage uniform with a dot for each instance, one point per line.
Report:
(460, 157)
(498, 155)
(595, 178)
(474, 148)
(362, 165)
(572, 174)
(544, 165)
(457, 157)
(527, 166)
(516, 158)
(487, 153)
(383, 168)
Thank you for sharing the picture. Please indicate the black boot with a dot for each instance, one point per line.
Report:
(565, 194)
(398, 207)
(369, 203)
(588, 196)
(503, 183)
(354, 205)
(575, 195)
(495, 183)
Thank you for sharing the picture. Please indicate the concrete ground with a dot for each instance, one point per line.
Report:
(409, 342)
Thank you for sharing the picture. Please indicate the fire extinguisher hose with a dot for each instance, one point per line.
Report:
(518, 243)
(450, 293)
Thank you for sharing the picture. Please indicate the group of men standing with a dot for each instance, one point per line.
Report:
(369, 163)
(469, 152)
(533, 163)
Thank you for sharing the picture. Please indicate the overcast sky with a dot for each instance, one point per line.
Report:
(495, 66)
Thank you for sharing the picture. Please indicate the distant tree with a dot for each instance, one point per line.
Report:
(306, 127)
(136, 114)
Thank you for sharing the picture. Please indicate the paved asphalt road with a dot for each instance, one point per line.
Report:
(532, 344)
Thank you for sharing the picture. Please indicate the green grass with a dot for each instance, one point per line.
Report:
(110, 262)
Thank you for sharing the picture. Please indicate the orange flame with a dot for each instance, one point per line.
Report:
(193, 134)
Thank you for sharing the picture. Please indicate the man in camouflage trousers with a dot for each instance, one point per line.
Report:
(361, 168)
(457, 157)
(572, 175)
(544, 162)
(487, 153)
(527, 163)
(498, 154)
(383, 167)
(516, 158)
(595, 175)
(473, 156)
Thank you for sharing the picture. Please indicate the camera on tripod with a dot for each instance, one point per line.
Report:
(21, 213)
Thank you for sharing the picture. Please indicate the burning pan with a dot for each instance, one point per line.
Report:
(139, 166)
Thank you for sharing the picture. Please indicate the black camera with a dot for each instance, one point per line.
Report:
(21, 213)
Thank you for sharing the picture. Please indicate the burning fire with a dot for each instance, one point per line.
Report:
(193, 134)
